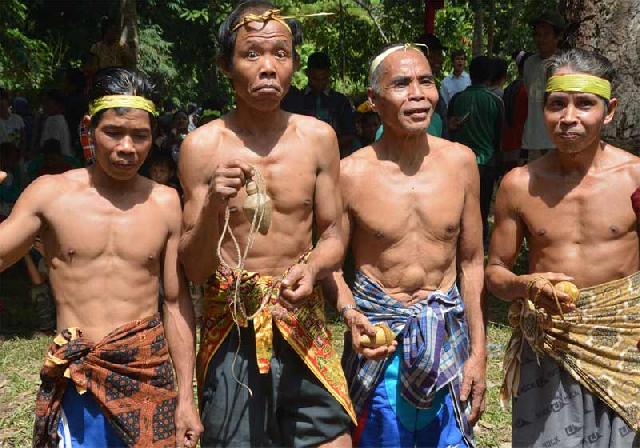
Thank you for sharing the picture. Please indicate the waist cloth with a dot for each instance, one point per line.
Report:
(128, 373)
(303, 328)
(597, 344)
(433, 348)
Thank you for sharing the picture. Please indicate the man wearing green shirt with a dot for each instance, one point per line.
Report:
(475, 119)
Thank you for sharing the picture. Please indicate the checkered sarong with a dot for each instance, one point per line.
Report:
(434, 337)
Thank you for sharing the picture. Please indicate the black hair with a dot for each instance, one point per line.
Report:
(480, 69)
(159, 157)
(319, 60)
(105, 24)
(499, 69)
(76, 78)
(120, 81)
(51, 146)
(55, 95)
(457, 52)
(227, 36)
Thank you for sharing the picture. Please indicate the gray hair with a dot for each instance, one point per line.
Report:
(582, 61)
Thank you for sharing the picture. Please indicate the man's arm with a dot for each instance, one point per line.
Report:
(179, 325)
(19, 230)
(507, 237)
(207, 186)
(329, 251)
(470, 259)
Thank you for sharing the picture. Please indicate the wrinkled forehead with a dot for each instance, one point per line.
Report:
(269, 31)
(405, 62)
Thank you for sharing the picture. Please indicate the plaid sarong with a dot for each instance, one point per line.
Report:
(434, 337)
(130, 375)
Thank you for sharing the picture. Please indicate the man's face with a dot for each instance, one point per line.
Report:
(408, 92)
(459, 63)
(545, 39)
(575, 120)
(160, 173)
(262, 64)
(435, 61)
(319, 79)
(181, 123)
(122, 142)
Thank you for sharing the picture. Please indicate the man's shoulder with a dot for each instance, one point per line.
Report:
(166, 197)
(311, 127)
(625, 160)
(204, 139)
(60, 184)
(519, 178)
(453, 152)
(17, 119)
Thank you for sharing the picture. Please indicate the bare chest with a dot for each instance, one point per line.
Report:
(592, 211)
(391, 208)
(86, 227)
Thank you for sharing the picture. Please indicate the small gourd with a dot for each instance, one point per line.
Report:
(384, 336)
(256, 201)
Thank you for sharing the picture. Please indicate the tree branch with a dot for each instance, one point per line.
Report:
(369, 11)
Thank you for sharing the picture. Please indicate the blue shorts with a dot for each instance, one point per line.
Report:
(388, 420)
(82, 423)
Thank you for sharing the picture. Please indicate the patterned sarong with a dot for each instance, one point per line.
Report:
(597, 344)
(434, 338)
(304, 329)
(129, 374)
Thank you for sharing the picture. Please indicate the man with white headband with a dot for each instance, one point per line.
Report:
(412, 217)
(573, 363)
(110, 237)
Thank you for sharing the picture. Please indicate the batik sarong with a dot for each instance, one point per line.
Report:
(128, 373)
(433, 346)
(304, 328)
(597, 344)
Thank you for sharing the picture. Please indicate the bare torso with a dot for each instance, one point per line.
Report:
(288, 163)
(405, 225)
(104, 251)
(582, 227)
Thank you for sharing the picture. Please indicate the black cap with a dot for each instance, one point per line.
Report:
(431, 41)
(552, 18)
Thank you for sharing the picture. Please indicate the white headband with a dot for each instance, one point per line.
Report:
(382, 56)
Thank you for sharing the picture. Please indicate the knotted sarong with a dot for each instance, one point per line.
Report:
(597, 344)
(304, 328)
(128, 373)
(434, 342)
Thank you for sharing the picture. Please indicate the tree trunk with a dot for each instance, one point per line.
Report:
(491, 28)
(478, 25)
(129, 33)
(612, 28)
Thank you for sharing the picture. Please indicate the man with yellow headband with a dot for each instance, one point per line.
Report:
(573, 363)
(110, 238)
(412, 217)
(267, 372)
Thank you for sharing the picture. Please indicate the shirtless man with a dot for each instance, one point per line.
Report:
(110, 238)
(412, 211)
(572, 206)
(275, 379)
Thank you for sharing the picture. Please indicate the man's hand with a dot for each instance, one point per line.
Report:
(188, 425)
(228, 179)
(540, 286)
(474, 385)
(297, 285)
(358, 325)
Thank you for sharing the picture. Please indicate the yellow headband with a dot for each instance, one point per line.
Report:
(382, 56)
(273, 14)
(112, 101)
(578, 82)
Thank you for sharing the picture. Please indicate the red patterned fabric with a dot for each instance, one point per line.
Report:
(130, 375)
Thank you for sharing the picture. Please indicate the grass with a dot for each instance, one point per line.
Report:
(22, 354)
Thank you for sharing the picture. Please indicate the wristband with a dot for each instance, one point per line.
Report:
(345, 308)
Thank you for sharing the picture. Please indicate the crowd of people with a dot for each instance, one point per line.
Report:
(262, 206)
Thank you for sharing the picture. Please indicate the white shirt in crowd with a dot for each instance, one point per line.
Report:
(453, 84)
(535, 134)
(11, 128)
(55, 127)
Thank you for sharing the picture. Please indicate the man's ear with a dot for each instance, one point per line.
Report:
(613, 104)
(224, 66)
(371, 95)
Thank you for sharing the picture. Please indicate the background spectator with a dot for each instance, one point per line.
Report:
(109, 51)
(12, 127)
(457, 80)
(55, 126)
(515, 115)
(319, 100)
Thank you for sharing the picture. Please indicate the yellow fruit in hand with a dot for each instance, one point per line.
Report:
(569, 289)
(384, 336)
